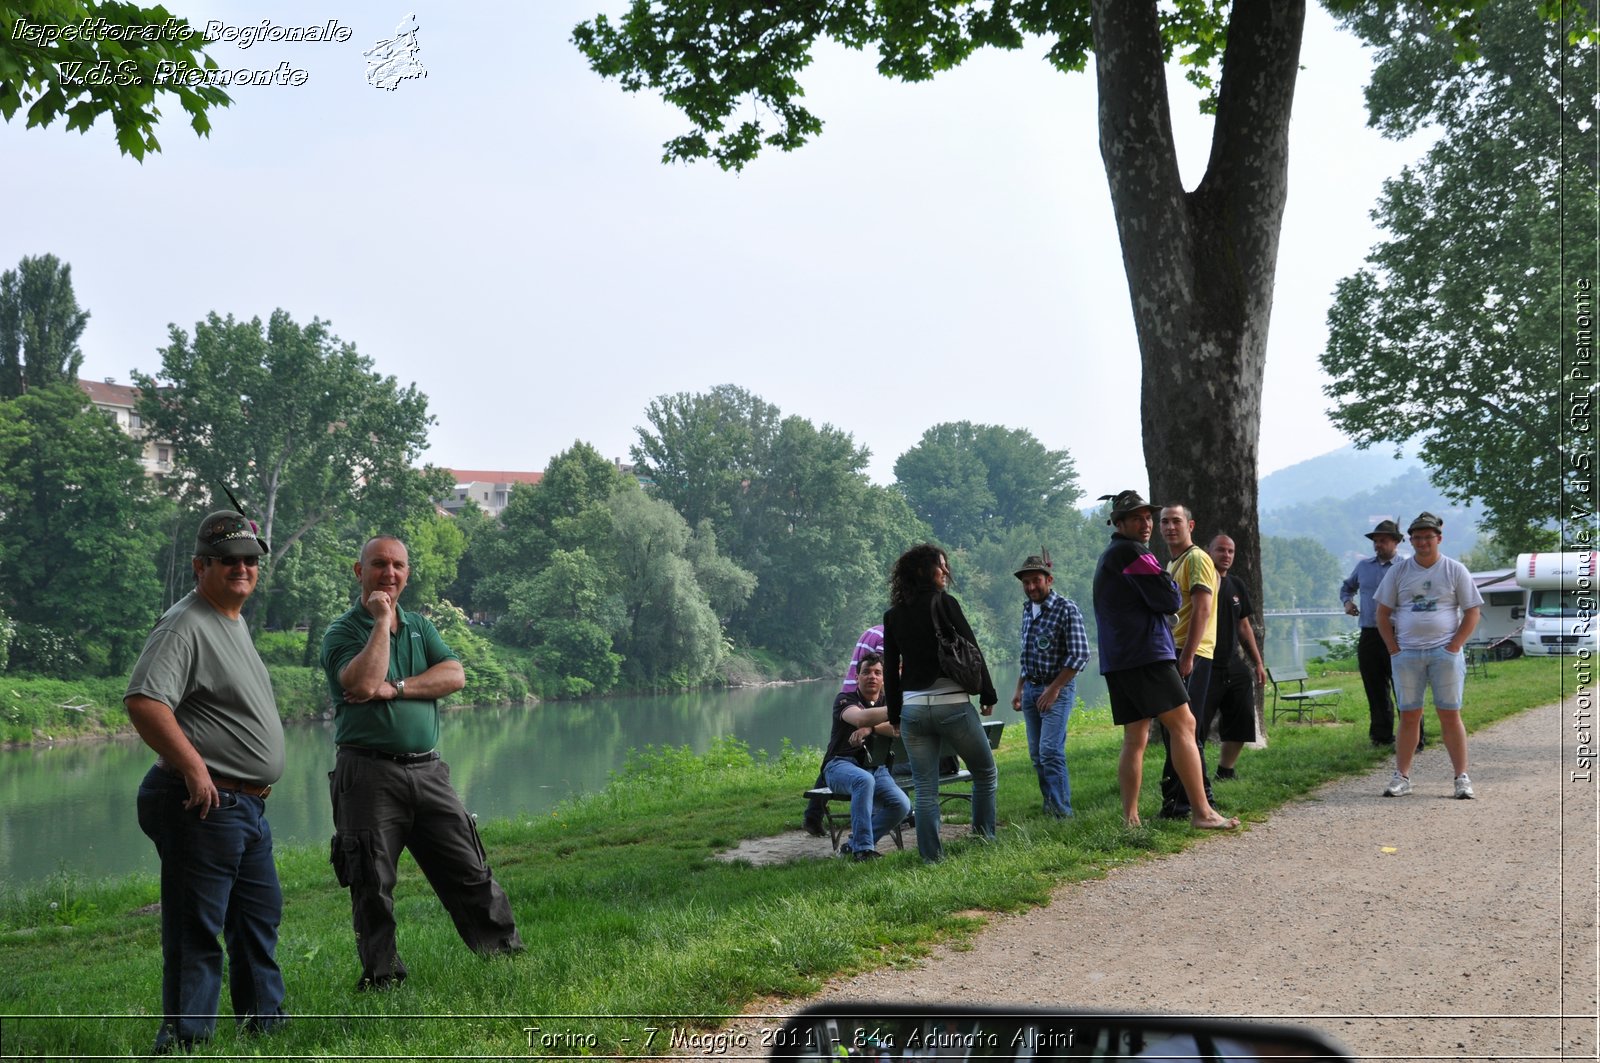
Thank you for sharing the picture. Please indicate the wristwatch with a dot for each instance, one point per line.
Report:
(399, 688)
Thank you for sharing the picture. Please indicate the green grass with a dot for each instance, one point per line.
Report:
(624, 910)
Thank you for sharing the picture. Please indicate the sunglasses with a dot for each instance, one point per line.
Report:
(229, 562)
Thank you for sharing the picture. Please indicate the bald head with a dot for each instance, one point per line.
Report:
(1221, 551)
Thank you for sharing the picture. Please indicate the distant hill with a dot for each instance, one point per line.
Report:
(1337, 473)
(1345, 511)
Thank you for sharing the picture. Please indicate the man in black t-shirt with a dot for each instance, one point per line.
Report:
(1238, 667)
(877, 805)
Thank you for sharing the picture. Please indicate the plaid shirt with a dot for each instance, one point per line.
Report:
(1052, 640)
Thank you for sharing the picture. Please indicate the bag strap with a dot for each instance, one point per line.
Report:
(933, 611)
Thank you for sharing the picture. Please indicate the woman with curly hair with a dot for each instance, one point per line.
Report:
(927, 706)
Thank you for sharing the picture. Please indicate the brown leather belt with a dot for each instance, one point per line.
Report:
(224, 783)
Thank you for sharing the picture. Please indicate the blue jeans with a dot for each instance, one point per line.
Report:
(1417, 670)
(217, 877)
(1047, 744)
(877, 805)
(924, 728)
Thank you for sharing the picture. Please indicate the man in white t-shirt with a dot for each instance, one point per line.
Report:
(1427, 609)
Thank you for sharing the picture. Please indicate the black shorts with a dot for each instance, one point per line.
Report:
(1235, 706)
(1145, 692)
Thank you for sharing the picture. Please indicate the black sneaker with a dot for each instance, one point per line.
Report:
(861, 856)
(1174, 812)
(813, 827)
(1227, 773)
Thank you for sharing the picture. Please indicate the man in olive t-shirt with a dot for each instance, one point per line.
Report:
(386, 668)
(200, 697)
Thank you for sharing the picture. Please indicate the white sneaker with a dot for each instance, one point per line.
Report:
(1464, 788)
(1398, 786)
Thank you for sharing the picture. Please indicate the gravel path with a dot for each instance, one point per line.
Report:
(1418, 927)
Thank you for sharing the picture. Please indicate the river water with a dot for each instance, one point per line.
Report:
(69, 808)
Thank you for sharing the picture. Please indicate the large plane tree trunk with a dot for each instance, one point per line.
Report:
(1201, 264)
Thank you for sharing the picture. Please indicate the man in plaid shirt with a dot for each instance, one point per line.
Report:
(1054, 650)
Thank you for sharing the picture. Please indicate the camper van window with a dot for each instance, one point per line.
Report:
(1554, 603)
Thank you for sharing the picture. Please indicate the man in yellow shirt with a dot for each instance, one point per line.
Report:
(1196, 636)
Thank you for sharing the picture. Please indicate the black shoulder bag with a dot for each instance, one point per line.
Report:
(959, 657)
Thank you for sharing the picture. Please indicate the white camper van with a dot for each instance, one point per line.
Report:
(1563, 590)
(1504, 612)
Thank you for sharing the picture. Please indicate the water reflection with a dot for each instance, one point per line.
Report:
(71, 806)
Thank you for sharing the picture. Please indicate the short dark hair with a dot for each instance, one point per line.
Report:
(867, 661)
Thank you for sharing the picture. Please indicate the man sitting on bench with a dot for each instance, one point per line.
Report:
(877, 805)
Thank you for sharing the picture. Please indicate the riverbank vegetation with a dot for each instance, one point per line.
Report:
(626, 910)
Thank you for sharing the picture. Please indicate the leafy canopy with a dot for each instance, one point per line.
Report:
(40, 324)
(292, 420)
(713, 59)
(971, 482)
(109, 70)
(1452, 331)
(80, 529)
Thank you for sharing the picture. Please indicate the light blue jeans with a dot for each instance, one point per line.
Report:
(1047, 745)
(877, 805)
(924, 728)
(1417, 670)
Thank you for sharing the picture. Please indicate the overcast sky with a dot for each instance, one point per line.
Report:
(503, 234)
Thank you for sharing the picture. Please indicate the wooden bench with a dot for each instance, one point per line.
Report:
(837, 820)
(1299, 702)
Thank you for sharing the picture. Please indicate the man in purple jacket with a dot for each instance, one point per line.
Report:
(1133, 596)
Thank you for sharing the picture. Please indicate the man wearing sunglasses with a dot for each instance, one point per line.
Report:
(201, 698)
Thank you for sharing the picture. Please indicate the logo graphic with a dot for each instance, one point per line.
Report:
(395, 60)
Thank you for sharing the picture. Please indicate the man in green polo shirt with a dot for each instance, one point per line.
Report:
(386, 670)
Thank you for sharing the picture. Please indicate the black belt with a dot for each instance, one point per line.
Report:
(1041, 682)
(398, 758)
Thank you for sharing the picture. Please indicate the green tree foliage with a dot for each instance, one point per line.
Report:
(103, 58)
(727, 586)
(1453, 330)
(1299, 573)
(603, 582)
(566, 510)
(564, 612)
(435, 544)
(471, 521)
(79, 532)
(294, 422)
(670, 635)
(312, 581)
(701, 451)
(971, 481)
(40, 324)
(790, 503)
